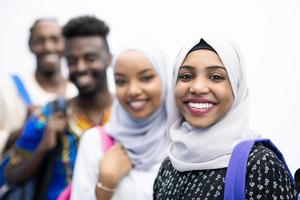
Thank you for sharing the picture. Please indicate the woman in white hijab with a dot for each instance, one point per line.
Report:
(208, 106)
(137, 125)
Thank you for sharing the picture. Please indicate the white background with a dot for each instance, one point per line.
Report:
(267, 31)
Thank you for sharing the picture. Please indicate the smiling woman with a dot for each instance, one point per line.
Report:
(208, 115)
(203, 91)
(139, 87)
(137, 124)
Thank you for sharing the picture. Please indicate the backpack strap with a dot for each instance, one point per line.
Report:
(22, 90)
(235, 179)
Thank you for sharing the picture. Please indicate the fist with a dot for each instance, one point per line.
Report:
(114, 165)
(56, 125)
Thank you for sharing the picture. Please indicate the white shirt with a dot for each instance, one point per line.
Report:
(13, 110)
(137, 185)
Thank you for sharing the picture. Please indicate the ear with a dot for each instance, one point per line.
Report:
(30, 46)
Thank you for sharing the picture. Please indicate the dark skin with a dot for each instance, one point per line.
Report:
(93, 100)
(46, 43)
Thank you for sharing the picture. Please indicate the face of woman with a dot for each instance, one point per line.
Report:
(203, 92)
(138, 86)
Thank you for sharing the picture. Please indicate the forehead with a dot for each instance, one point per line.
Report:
(82, 45)
(46, 27)
(202, 58)
(133, 62)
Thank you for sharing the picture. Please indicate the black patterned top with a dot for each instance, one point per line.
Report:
(267, 179)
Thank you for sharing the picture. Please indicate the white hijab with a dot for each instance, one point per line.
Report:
(143, 139)
(210, 148)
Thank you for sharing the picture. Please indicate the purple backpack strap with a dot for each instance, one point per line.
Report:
(235, 180)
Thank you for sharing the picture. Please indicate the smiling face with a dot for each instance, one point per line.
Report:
(46, 42)
(87, 59)
(139, 87)
(203, 92)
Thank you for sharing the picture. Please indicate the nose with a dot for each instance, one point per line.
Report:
(80, 65)
(49, 46)
(199, 86)
(134, 89)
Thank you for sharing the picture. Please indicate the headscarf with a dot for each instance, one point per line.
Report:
(210, 148)
(143, 139)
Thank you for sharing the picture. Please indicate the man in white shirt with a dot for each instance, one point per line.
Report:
(44, 85)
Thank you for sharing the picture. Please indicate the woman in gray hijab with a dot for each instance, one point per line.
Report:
(137, 125)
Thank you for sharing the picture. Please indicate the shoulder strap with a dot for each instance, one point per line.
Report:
(237, 169)
(22, 90)
(106, 140)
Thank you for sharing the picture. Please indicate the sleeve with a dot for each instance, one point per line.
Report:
(267, 176)
(32, 134)
(87, 166)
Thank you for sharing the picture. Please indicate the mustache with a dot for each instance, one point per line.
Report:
(94, 73)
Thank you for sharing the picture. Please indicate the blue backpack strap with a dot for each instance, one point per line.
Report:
(21, 88)
(235, 180)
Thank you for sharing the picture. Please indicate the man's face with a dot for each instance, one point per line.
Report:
(47, 44)
(87, 59)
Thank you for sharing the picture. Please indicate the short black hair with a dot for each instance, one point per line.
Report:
(35, 23)
(85, 26)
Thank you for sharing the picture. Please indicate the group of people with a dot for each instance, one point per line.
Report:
(169, 132)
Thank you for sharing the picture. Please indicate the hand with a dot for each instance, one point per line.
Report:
(114, 165)
(56, 125)
(31, 110)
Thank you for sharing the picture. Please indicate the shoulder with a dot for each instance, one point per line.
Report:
(91, 140)
(267, 175)
(71, 90)
(263, 156)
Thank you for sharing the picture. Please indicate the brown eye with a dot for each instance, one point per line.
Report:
(185, 76)
(120, 82)
(216, 77)
(147, 78)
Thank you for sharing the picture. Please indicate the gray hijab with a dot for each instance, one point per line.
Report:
(144, 139)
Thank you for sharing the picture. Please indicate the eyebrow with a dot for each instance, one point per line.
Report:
(119, 74)
(141, 72)
(144, 71)
(208, 67)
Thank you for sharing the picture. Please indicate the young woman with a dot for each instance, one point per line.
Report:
(137, 124)
(208, 112)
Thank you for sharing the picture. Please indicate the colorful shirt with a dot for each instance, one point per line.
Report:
(65, 153)
(13, 109)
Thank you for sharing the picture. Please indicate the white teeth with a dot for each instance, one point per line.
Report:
(137, 104)
(51, 57)
(200, 105)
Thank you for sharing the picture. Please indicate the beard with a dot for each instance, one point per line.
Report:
(99, 84)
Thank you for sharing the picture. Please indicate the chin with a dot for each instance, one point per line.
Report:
(202, 124)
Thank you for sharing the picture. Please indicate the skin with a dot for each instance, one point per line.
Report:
(92, 106)
(203, 76)
(47, 45)
(135, 79)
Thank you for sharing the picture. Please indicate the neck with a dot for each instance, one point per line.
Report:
(51, 82)
(94, 103)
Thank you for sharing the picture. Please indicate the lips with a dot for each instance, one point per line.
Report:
(137, 105)
(51, 58)
(199, 106)
(84, 79)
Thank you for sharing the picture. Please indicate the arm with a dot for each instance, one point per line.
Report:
(14, 135)
(114, 165)
(21, 168)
